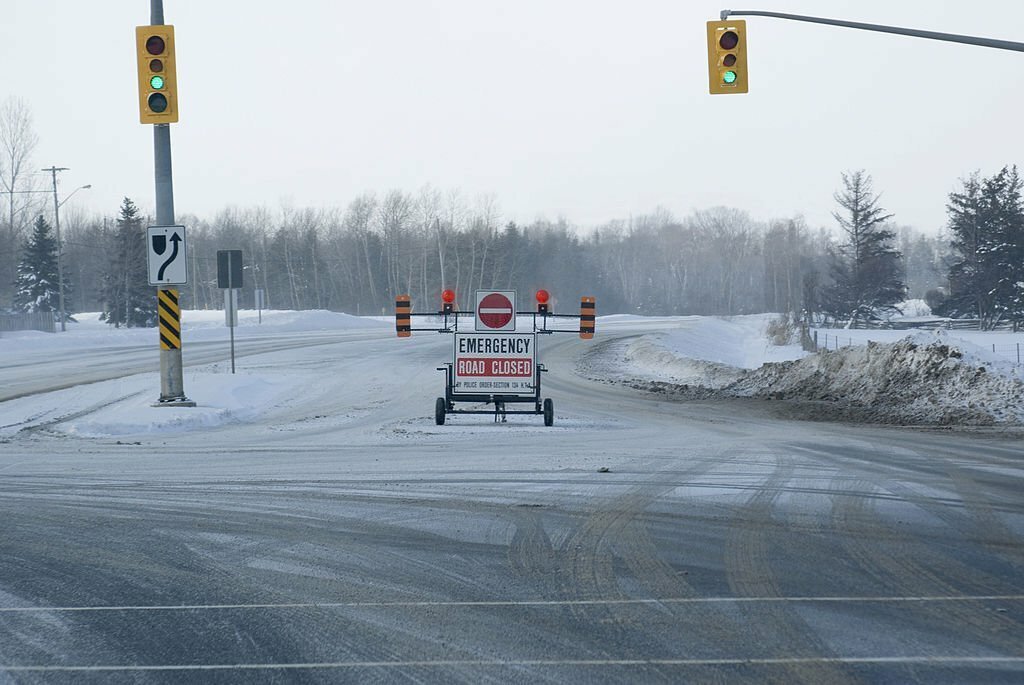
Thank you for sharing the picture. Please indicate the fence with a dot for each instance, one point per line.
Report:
(32, 321)
(927, 323)
(833, 341)
(1010, 351)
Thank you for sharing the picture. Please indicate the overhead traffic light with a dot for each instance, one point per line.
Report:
(158, 86)
(727, 56)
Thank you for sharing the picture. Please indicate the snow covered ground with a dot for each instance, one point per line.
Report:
(920, 378)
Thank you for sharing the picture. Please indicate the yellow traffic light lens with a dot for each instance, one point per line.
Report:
(155, 45)
(729, 60)
(157, 103)
(729, 77)
(156, 65)
(156, 83)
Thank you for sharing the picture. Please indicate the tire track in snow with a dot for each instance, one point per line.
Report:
(613, 537)
(903, 565)
(780, 630)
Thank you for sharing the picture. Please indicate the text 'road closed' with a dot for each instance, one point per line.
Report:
(517, 368)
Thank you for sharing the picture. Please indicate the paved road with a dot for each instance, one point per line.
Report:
(347, 538)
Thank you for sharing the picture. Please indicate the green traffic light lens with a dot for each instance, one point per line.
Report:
(729, 77)
(156, 83)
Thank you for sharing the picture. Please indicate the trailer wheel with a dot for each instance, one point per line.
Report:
(439, 408)
(549, 412)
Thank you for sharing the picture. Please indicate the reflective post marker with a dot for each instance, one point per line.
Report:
(588, 317)
(170, 319)
(403, 318)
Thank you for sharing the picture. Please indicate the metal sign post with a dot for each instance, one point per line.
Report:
(172, 384)
(260, 304)
(229, 277)
(231, 319)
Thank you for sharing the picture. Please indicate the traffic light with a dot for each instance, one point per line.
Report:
(727, 56)
(158, 87)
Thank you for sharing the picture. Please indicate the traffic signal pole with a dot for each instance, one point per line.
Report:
(172, 384)
(915, 33)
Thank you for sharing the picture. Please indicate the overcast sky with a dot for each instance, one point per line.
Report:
(585, 109)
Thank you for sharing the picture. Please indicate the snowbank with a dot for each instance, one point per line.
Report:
(701, 351)
(225, 399)
(926, 378)
(919, 380)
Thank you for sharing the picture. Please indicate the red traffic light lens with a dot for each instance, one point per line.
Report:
(543, 296)
(448, 296)
(155, 45)
(729, 40)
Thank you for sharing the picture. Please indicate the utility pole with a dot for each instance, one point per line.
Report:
(172, 384)
(60, 247)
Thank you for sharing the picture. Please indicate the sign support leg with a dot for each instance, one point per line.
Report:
(232, 315)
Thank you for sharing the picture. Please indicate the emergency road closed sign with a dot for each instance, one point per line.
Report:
(495, 363)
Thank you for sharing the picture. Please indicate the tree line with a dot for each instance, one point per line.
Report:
(716, 261)
(356, 259)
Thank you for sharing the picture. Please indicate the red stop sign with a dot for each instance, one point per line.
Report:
(495, 310)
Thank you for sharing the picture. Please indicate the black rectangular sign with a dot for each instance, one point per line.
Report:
(229, 268)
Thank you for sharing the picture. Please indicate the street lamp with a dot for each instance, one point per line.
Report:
(85, 187)
(60, 250)
(56, 222)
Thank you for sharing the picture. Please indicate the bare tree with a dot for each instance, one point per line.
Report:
(17, 142)
(428, 212)
(393, 219)
(455, 220)
(359, 222)
(486, 228)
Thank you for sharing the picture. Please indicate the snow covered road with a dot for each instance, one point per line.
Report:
(309, 520)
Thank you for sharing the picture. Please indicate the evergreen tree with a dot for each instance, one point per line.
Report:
(128, 299)
(970, 274)
(37, 285)
(1004, 192)
(866, 269)
(986, 219)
